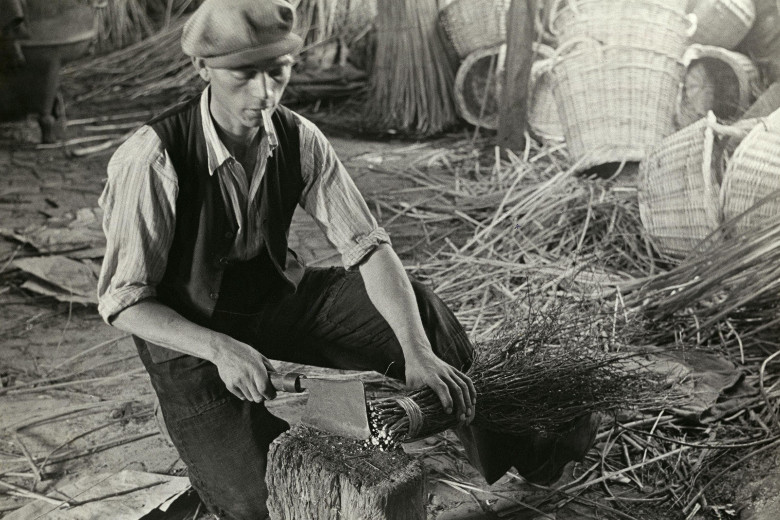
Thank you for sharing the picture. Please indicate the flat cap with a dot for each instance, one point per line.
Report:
(236, 33)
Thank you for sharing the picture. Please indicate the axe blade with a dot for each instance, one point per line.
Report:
(338, 407)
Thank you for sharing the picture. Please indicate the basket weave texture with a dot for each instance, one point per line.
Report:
(753, 176)
(723, 23)
(543, 118)
(477, 89)
(474, 24)
(678, 190)
(716, 79)
(616, 76)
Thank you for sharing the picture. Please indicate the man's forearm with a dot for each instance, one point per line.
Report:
(391, 293)
(159, 324)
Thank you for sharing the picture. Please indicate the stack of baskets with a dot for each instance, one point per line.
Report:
(474, 24)
(616, 74)
(689, 186)
(716, 79)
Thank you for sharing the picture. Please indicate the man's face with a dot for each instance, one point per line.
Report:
(239, 96)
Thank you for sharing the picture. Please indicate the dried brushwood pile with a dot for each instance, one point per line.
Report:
(497, 230)
(492, 230)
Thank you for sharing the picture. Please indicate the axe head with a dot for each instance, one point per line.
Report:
(338, 407)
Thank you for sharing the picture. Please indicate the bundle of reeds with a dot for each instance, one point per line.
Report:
(726, 293)
(554, 364)
(411, 86)
(322, 20)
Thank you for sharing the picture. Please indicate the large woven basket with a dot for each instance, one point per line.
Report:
(474, 24)
(679, 185)
(752, 179)
(616, 76)
(543, 119)
(716, 79)
(478, 87)
(723, 23)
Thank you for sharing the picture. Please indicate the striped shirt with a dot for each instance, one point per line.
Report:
(139, 205)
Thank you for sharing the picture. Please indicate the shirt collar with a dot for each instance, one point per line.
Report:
(216, 150)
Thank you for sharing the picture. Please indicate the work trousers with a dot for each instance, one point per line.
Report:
(330, 322)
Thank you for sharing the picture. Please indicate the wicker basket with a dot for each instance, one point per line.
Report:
(616, 76)
(679, 185)
(767, 102)
(474, 24)
(477, 91)
(723, 23)
(543, 119)
(716, 79)
(752, 179)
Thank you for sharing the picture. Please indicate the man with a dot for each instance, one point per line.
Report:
(197, 207)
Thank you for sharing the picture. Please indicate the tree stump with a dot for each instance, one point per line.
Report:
(312, 474)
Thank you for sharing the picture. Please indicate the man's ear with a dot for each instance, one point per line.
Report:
(200, 66)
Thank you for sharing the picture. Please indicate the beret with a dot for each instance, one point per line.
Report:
(237, 33)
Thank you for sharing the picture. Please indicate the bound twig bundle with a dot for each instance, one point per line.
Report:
(412, 78)
(556, 364)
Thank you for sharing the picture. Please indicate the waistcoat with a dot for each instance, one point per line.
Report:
(200, 278)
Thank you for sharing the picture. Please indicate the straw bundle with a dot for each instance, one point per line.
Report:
(323, 20)
(549, 367)
(411, 83)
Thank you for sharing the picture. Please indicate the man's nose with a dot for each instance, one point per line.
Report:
(261, 85)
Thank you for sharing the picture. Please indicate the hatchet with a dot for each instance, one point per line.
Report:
(335, 406)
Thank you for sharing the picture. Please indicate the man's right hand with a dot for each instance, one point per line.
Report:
(244, 371)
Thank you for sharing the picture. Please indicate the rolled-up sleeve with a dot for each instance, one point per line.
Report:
(334, 202)
(139, 216)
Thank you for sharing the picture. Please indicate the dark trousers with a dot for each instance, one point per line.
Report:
(328, 322)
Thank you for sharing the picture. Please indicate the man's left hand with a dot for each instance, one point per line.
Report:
(454, 388)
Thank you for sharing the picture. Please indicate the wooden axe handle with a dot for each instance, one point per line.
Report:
(289, 382)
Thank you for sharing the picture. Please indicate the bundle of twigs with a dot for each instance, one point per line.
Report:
(726, 293)
(556, 363)
(412, 78)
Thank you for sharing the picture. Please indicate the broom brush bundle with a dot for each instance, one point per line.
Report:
(553, 366)
(411, 86)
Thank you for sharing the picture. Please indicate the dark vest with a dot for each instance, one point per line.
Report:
(199, 278)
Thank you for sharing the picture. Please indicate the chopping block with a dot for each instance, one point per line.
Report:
(314, 474)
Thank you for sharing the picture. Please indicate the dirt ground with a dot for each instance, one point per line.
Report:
(91, 412)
